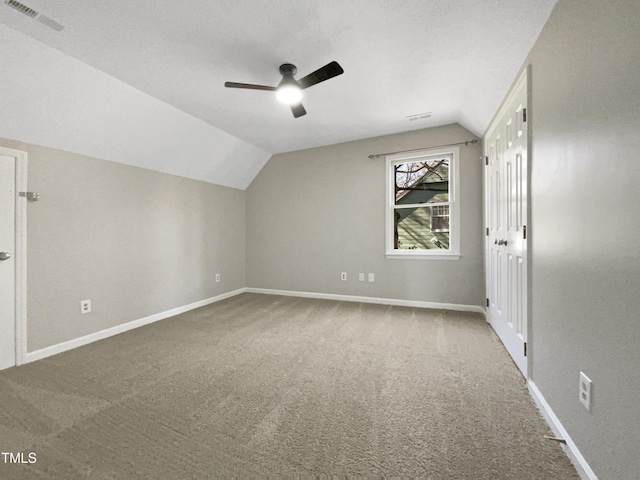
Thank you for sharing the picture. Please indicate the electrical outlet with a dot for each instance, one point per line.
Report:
(361, 277)
(85, 306)
(372, 277)
(343, 276)
(217, 277)
(585, 391)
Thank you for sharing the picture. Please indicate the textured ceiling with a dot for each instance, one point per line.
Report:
(454, 58)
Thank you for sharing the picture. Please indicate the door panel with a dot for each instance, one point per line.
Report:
(7, 266)
(506, 146)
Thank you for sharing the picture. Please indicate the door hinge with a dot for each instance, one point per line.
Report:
(31, 196)
(487, 302)
(524, 115)
(486, 160)
(525, 349)
(487, 231)
(524, 232)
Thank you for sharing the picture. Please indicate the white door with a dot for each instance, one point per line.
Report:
(7, 262)
(506, 182)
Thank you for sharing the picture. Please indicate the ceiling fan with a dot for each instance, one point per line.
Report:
(289, 90)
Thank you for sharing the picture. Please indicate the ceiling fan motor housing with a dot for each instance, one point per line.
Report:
(288, 69)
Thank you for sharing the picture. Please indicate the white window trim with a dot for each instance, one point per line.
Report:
(454, 206)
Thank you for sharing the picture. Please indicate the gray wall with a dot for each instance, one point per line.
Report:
(135, 242)
(314, 213)
(585, 185)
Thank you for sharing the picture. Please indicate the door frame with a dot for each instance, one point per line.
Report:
(20, 233)
(526, 73)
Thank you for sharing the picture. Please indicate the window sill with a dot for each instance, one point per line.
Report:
(422, 256)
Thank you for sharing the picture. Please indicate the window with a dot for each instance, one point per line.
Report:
(422, 218)
(440, 218)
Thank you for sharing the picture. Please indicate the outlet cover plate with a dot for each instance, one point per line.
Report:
(585, 391)
(85, 306)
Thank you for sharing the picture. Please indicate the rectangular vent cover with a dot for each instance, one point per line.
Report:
(31, 13)
(49, 22)
(419, 117)
(22, 8)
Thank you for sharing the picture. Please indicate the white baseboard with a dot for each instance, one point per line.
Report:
(581, 465)
(376, 300)
(109, 332)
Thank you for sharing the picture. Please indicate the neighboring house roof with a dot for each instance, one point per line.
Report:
(435, 181)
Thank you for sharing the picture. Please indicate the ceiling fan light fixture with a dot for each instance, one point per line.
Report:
(289, 90)
(289, 94)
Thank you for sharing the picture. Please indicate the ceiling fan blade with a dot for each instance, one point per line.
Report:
(330, 70)
(248, 86)
(298, 110)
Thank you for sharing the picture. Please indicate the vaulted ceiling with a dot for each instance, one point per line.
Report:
(454, 59)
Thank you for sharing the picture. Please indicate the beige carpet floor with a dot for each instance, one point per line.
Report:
(261, 385)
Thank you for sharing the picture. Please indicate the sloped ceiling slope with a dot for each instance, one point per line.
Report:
(455, 59)
(49, 98)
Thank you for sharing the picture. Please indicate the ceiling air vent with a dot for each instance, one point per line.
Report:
(419, 117)
(22, 8)
(31, 13)
(51, 23)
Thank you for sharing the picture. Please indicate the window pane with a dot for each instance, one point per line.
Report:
(440, 218)
(422, 182)
(423, 228)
